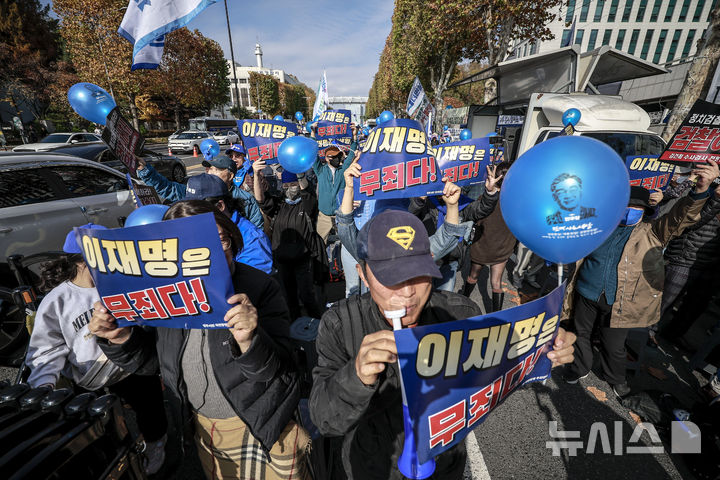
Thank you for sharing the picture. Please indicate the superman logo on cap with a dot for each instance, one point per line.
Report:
(403, 236)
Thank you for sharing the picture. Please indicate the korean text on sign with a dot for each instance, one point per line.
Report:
(163, 274)
(398, 162)
(262, 138)
(456, 373)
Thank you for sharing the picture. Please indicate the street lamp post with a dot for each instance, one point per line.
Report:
(232, 58)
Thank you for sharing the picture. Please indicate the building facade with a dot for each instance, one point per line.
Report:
(659, 31)
(356, 105)
(243, 80)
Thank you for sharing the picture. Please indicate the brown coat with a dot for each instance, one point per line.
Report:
(641, 270)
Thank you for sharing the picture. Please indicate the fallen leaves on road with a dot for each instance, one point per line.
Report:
(598, 394)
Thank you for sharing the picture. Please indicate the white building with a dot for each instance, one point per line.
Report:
(356, 105)
(660, 31)
(243, 79)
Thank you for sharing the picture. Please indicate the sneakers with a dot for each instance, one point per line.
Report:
(155, 455)
(572, 378)
(621, 390)
(516, 281)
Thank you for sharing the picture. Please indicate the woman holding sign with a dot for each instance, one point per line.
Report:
(238, 388)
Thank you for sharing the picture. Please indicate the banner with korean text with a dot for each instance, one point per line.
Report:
(171, 274)
(698, 138)
(648, 172)
(464, 162)
(333, 125)
(397, 162)
(456, 373)
(262, 138)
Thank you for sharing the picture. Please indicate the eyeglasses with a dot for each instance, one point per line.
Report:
(333, 157)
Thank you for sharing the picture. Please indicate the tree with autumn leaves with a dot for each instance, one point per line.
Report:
(429, 38)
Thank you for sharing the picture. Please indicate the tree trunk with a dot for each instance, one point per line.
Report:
(134, 112)
(699, 77)
(176, 111)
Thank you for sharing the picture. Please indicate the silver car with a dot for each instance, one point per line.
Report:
(55, 140)
(188, 141)
(226, 137)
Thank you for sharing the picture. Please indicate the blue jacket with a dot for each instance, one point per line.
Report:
(256, 251)
(175, 191)
(328, 184)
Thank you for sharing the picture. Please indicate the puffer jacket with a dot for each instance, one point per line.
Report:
(370, 418)
(262, 384)
(641, 270)
(699, 244)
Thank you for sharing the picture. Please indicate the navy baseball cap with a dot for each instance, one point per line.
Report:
(236, 148)
(221, 162)
(396, 246)
(200, 187)
(71, 245)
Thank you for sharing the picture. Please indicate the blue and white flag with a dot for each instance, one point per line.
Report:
(416, 98)
(150, 55)
(321, 98)
(146, 21)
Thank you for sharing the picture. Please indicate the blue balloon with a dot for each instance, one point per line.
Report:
(299, 116)
(445, 127)
(209, 148)
(278, 118)
(571, 117)
(297, 154)
(90, 102)
(146, 214)
(308, 128)
(448, 107)
(565, 196)
(492, 134)
(385, 116)
(465, 134)
(366, 131)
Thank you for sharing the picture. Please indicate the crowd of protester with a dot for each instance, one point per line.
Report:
(235, 392)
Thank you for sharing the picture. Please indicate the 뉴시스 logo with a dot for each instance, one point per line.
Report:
(684, 438)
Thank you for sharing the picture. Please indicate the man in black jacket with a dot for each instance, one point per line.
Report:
(693, 260)
(356, 385)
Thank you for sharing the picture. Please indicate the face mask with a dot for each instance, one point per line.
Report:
(632, 216)
(335, 162)
(292, 192)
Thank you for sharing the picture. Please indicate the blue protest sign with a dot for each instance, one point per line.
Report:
(456, 373)
(464, 162)
(333, 125)
(398, 162)
(169, 274)
(648, 172)
(262, 138)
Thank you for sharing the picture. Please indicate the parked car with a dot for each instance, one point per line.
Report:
(42, 196)
(55, 140)
(188, 141)
(174, 134)
(226, 137)
(169, 166)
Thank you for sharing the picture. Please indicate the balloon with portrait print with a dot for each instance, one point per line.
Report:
(90, 102)
(565, 196)
(297, 154)
(146, 214)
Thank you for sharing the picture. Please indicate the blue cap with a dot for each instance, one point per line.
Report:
(396, 235)
(222, 161)
(71, 245)
(236, 148)
(200, 187)
(288, 176)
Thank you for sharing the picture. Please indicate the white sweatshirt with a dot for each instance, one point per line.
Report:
(61, 342)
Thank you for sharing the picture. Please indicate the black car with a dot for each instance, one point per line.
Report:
(170, 167)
